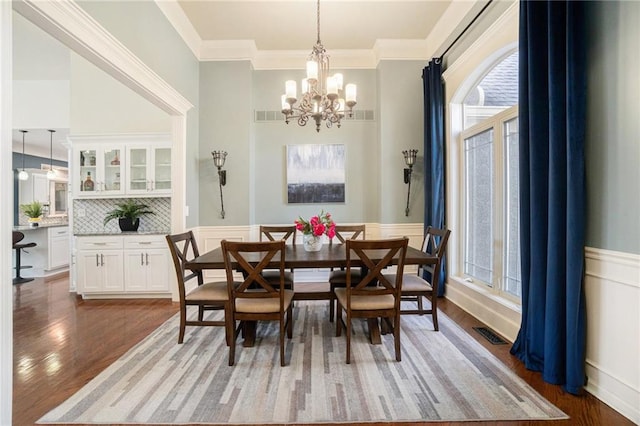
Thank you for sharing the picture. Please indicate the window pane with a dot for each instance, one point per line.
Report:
(478, 258)
(512, 254)
(497, 91)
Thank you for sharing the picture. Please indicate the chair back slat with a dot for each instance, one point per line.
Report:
(375, 256)
(275, 233)
(435, 244)
(349, 232)
(253, 258)
(183, 248)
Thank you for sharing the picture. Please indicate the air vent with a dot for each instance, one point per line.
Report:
(490, 335)
(358, 115)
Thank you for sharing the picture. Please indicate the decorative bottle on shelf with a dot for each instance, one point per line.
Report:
(88, 183)
(116, 160)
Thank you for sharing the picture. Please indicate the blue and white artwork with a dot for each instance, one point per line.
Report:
(315, 173)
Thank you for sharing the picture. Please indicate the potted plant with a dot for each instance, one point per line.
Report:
(33, 211)
(128, 214)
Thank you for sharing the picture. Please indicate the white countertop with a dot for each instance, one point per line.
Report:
(40, 226)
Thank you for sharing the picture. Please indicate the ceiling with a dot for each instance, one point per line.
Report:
(292, 24)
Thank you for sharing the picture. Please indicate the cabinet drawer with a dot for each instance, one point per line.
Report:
(62, 231)
(145, 242)
(99, 243)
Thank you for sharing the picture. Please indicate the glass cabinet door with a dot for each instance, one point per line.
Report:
(88, 171)
(162, 166)
(112, 171)
(138, 169)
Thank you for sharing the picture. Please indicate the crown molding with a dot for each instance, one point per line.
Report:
(394, 50)
(227, 50)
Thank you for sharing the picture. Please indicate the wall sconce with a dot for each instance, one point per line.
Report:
(410, 160)
(218, 160)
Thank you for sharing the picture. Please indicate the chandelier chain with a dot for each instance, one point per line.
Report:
(318, 20)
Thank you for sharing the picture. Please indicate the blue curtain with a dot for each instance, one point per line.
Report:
(434, 155)
(552, 190)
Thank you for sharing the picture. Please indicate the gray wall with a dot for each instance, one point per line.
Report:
(230, 92)
(272, 138)
(143, 29)
(401, 127)
(613, 126)
(225, 124)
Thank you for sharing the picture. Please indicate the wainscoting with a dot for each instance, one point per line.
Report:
(612, 287)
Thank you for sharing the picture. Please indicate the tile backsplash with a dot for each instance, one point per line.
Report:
(88, 215)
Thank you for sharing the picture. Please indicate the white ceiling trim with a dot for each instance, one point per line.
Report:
(245, 50)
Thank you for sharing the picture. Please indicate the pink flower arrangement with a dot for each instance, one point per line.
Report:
(317, 225)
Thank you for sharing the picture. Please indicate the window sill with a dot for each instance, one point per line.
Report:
(497, 312)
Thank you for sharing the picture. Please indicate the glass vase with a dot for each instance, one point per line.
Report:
(312, 242)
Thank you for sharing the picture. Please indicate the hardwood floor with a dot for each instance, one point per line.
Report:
(61, 342)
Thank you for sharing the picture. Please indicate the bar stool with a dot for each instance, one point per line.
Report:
(17, 237)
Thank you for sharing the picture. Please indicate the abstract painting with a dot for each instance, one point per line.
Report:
(315, 173)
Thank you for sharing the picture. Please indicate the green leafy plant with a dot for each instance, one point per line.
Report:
(130, 209)
(32, 210)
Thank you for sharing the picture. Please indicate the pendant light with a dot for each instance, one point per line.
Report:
(23, 175)
(51, 174)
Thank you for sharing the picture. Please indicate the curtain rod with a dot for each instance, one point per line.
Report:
(465, 30)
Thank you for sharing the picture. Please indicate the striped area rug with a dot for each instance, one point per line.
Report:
(443, 376)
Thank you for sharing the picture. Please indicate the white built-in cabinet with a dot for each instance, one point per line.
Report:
(146, 262)
(149, 169)
(120, 165)
(35, 188)
(131, 265)
(58, 252)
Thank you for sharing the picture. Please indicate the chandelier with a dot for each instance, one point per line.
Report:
(323, 97)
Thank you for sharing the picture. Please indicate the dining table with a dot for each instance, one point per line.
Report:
(296, 257)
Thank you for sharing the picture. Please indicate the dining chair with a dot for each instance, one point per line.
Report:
(338, 277)
(286, 233)
(359, 299)
(256, 298)
(206, 296)
(415, 287)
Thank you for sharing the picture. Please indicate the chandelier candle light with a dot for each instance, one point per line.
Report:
(323, 97)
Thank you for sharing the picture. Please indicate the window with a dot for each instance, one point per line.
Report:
(491, 238)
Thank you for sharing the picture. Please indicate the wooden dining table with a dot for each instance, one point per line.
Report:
(296, 257)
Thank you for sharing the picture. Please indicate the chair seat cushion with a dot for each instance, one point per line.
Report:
(412, 282)
(274, 277)
(215, 291)
(340, 277)
(365, 303)
(263, 306)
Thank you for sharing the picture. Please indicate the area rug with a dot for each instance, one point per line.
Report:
(443, 376)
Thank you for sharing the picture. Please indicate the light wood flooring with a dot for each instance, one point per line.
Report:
(61, 342)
